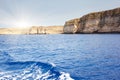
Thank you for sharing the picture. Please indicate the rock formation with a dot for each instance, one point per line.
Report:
(98, 22)
(33, 30)
(46, 30)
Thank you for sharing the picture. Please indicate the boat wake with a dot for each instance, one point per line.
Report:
(29, 70)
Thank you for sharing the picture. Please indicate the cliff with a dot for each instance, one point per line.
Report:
(46, 30)
(33, 30)
(14, 30)
(99, 22)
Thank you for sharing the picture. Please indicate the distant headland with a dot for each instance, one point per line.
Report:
(33, 30)
(98, 22)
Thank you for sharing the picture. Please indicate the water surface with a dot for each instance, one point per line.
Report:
(83, 56)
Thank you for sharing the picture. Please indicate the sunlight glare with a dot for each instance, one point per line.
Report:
(22, 23)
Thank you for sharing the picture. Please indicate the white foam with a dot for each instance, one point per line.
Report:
(65, 76)
(34, 72)
(52, 64)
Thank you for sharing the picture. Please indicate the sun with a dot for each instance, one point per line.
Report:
(22, 23)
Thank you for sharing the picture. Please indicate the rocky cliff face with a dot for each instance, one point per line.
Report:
(98, 22)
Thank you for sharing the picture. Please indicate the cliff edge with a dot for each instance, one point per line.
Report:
(99, 22)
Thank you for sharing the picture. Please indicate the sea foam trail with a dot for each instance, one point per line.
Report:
(29, 70)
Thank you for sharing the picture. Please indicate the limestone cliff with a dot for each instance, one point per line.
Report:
(99, 22)
(46, 30)
(13, 30)
(33, 30)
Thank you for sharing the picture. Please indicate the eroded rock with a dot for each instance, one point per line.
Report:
(98, 22)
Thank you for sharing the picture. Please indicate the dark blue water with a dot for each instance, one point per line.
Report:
(60, 57)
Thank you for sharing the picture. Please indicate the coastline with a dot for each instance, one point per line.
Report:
(103, 22)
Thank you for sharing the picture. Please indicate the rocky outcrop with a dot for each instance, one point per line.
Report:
(46, 30)
(98, 22)
(33, 30)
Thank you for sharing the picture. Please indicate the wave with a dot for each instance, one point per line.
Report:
(29, 70)
(5, 57)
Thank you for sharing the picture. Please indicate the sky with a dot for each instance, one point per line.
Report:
(18, 13)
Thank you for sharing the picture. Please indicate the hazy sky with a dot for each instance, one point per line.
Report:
(48, 12)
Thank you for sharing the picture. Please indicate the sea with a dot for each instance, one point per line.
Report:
(60, 57)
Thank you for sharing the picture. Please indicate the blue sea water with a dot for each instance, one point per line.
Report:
(60, 57)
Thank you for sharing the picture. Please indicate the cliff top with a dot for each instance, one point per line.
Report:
(112, 12)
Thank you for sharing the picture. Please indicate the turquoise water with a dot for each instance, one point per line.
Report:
(57, 57)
